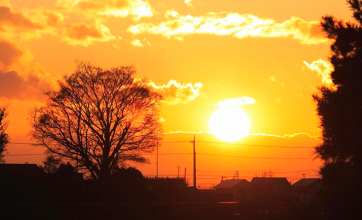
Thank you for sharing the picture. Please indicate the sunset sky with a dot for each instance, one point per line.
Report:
(271, 56)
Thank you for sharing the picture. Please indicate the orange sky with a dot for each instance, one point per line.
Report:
(197, 53)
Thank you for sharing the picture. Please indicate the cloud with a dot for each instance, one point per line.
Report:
(285, 135)
(13, 86)
(136, 43)
(272, 78)
(233, 24)
(83, 34)
(188, 132)
(13, 19)
(140, 43)
(117, 8)
(175, 93)
(29, 23)
(237, 102)
(9, 54)
(51, 18)
(162, 119)
(323, 68)
(44, 21)
(17, 24)
(188, 2)
(30, 84)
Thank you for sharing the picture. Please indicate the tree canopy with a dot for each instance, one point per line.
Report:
(340, 111)
(100, 118)
(4, 137)
(51, 163)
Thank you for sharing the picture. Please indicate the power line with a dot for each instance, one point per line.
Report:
(250, 171)
(18, 155)
(204, 154)
(15, 155)
(164, 142)
(298, 171)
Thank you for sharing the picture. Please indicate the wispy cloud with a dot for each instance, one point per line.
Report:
(236, 102)
(323, 68)
(233, 24)
(188, 132)
(117, 8)
(188, 2)
(272, 78)
(176, 93)
(136, 43)
(284, 136)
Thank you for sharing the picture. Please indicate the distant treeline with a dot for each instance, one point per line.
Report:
(27, 183)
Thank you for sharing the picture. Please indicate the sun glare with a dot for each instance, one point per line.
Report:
(229, 123)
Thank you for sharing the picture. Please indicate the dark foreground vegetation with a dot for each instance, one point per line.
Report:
(64, 194)
(158, 211)
(340, 111)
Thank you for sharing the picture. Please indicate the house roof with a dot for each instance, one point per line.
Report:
(20, 170)
(305, 182)
(269, 181)
(226, 184)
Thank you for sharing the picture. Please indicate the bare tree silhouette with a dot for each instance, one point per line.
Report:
(100, 118)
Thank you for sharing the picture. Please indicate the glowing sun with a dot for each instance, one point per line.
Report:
(229, 123)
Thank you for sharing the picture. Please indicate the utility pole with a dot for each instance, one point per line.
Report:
(194, 143)
(237, 174)
(185, 174)
(157, 161)
(178, 171)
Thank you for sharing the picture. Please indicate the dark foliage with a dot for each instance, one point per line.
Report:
(4, 137)
(124, 185)
(51, 163)
(340, 111)
(99, 118)
(65, 169)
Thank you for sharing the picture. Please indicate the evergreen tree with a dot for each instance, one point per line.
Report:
(340, 111)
